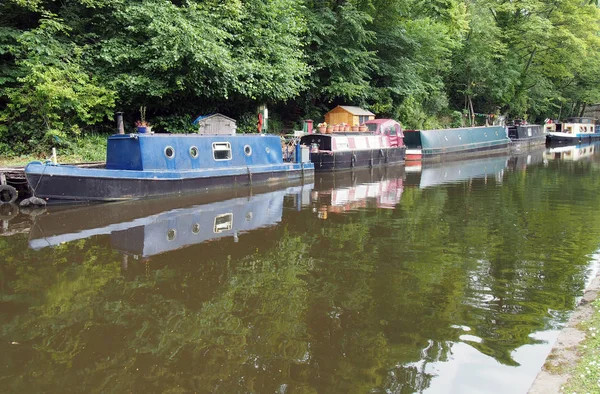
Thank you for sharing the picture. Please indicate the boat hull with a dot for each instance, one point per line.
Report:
(438, 145)
(71, 183)
(572, 138)
(526, 135)
(344, 160)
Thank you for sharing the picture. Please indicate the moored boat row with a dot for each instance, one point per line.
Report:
(143, 165)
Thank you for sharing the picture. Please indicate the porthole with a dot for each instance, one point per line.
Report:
(248, 150)
(194, 152)
(268, 150)
(249, 216)
(196, 228)
(169, 152)
(171, 234)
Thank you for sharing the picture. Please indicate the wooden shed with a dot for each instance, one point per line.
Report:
(215, 124)
(349, 115)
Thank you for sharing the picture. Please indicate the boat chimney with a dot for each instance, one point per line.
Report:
(120, 127)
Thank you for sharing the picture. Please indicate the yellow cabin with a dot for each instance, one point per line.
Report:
(349, 115)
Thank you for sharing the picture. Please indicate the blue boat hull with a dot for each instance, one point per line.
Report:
(457, 143)
(86, 184)
(139, 166)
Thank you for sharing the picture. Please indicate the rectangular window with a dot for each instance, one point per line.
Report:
(221, 150)
(223, 223)
(362, 119)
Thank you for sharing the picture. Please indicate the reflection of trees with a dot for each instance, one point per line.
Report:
(358, 302)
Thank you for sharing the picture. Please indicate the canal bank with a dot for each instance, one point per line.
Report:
(569, 351)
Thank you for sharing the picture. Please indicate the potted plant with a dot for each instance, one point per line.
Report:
(355, 127)
(322, 127)
(141, 125)
(363, 127)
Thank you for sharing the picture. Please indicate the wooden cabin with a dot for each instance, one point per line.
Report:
(349, 115)
(215, 124)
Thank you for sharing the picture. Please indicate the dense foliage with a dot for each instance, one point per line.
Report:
(66, 67)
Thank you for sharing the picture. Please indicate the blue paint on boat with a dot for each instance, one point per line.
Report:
(464, 140)
(146, 165)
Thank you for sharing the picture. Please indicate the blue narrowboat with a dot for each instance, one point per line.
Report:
(149, 165)
(459, 142)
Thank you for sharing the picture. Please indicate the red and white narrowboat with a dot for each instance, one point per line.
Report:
(382, 144)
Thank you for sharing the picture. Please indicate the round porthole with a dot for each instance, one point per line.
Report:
(249, 216)
(194, 152)
(195, 228)
(248, 150)
(268, 149)
(169, 152)
(171, 234)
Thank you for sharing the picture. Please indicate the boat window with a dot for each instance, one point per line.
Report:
(223, 223)
(169, 152)
(171, 234)
(196, 228)
(222, 150)
(391, 130)
(194, 152)
(372, 126)
(248, 150)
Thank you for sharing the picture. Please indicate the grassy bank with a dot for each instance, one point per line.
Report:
(91, 147)
(586, 373)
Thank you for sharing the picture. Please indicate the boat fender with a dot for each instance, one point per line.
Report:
(32, 202)
(353, 160)
(8, 194)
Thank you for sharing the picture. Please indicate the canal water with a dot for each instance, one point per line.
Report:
(441, 278)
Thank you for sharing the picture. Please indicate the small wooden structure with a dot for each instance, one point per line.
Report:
(349, 115)
(215, 124)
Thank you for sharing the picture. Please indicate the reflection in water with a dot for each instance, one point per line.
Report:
(432, 174)
(166, 230)
(572, 152)
(346, 191)
(460, 288)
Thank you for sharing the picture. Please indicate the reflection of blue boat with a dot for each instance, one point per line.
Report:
(144, 229)
(433, 174)
(145, 165)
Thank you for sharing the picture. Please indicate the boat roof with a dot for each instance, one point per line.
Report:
(381, 121)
